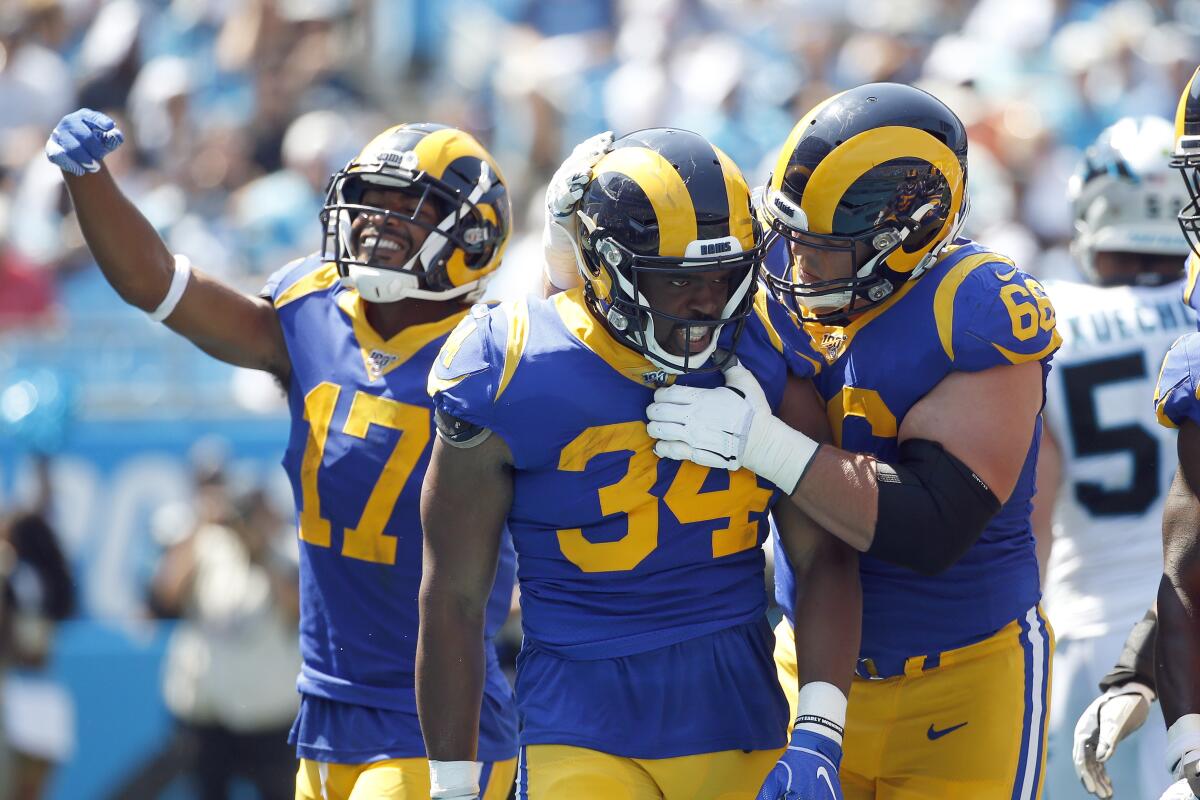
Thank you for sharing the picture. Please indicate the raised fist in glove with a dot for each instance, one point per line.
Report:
(1110, 718)
(570, 179)
(560, 240)
(81, 140)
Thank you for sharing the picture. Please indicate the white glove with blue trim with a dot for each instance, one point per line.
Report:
(81, 140)
(560, 239)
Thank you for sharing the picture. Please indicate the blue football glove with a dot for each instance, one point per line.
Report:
(81, 140)
(807, 770)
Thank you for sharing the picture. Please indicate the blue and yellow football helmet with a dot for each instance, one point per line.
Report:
(444, 168)
(877, 173)
(665, 199)
(1187, 157)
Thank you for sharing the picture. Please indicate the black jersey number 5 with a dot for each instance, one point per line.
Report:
(1089, 439)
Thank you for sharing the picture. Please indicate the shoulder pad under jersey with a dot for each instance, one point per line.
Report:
(989, 313)
(773, 324)
(299, 278)
(478, 360)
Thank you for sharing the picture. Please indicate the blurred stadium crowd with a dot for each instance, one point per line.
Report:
(238, 110)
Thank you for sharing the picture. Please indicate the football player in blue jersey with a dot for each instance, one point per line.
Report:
(1107, 555)
(1162, 651)
(1178, 641)
(646, 669)
(412, 227)
(935, 353)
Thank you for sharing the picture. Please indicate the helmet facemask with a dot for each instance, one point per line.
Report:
(1187, 161)
(868, 282)
(615, 290)
(461, 225)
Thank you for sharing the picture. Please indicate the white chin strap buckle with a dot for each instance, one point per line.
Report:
(382, 285)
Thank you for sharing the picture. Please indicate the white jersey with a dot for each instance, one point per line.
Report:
(1117, 460)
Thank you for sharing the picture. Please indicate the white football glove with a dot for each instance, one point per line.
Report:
(560, 239)
(730, 427)
(1107, 720)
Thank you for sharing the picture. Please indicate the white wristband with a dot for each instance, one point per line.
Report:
(821, 708)
(777, 451)
(449, 780)
(179, 282)
(1183, 738)
(559, 251)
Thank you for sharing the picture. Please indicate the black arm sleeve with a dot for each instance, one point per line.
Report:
(932, 508)
(1136, 662)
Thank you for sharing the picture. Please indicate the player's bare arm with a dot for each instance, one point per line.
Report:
(827, 613)
(464, 501)
(225, 323)
(1178, 641)
(1049, 479)
(828, 595)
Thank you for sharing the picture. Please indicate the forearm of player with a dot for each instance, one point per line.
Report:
(461, 549)
(1178, 641)
(828, 607)
(223, 322)
(839, 492)
(132, 256)
(449, 675)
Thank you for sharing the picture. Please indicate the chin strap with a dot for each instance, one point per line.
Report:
(430, 248)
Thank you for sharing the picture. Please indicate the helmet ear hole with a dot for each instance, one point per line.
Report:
(929, 227)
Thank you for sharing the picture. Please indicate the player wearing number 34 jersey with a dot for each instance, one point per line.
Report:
(646, 668)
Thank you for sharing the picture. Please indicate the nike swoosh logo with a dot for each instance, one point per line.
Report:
(823, 774)
(935, 734)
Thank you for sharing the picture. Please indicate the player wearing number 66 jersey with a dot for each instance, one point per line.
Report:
(412, 226)
(646, 669)
(1105, 464)
(934, 351)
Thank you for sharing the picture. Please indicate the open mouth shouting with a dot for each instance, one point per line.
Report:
(390, 248)
(691, 339)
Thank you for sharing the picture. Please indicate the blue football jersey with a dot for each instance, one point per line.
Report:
(361, 429)
(971, 311)
(1177, 395)
(623, 558)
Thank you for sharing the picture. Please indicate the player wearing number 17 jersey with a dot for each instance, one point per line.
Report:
(646, 668)
(1105, 464)
(412, 226)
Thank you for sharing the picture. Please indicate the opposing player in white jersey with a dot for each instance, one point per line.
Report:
(1105, 463)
